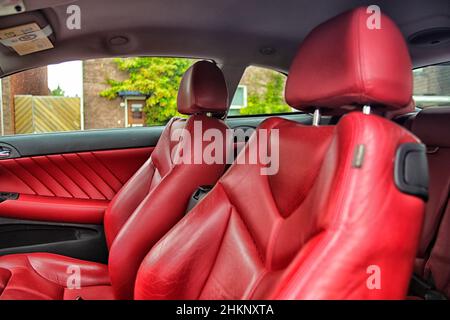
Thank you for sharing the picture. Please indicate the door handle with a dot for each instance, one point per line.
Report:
(8, 151)
(8, 196)
(5, 152)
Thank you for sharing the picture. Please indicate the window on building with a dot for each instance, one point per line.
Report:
(260, 91)
(98, 94)
(432, 86)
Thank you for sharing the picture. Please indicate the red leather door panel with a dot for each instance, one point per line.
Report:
(72, 187)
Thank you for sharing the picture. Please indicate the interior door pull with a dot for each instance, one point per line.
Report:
(5, 152)
(8, 196)
(8, 151)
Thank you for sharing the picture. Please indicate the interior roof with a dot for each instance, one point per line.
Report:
(230, 31)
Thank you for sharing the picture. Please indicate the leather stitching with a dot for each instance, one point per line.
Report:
(83, 176)
(47, 172)
(73, 181)
(18, 177)
(98, 176)
(107, 168)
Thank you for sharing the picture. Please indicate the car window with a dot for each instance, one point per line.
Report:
(92, 94)
(432, 86)
(260, 92)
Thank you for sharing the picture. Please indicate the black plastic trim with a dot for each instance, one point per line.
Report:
(198, 195)
(8, 196)
(411, 170)
(13, 153)
(255, 120)
(80, 141)
(81, 241)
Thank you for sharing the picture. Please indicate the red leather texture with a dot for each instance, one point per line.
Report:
(95, 175)
(309, 232)
(38, 276)
(54, 209)
(344, 63)
(438, 264)
(432, 126)
(203, 89)
(155, 199)
(72, 188)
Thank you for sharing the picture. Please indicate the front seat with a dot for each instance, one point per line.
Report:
(341, 218)
(148, 205)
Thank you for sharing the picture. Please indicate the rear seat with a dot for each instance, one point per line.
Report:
(432, 126)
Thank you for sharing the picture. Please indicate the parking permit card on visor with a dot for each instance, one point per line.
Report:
(26, 39)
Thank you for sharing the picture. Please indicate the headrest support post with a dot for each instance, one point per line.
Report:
(316, 117)
(366, 109)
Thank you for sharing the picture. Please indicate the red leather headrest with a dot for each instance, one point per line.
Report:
(343, 62)
(203, 89)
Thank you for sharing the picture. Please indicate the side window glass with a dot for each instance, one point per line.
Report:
(260, 92)
(432, 86)
(92, 94)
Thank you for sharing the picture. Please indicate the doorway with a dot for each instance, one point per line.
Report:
(136, 114)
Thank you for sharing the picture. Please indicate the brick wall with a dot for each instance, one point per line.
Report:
(33, 82)
(8, 120)
(99, 112)
(433, 80)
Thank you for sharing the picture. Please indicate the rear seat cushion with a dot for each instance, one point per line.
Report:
(432, 126)
(439, 263)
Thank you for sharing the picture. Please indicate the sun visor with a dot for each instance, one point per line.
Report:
(25, 34)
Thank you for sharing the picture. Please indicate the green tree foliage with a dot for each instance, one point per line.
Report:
(272, 101)
(58, 92)
(157, 78)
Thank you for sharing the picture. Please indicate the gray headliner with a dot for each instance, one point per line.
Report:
(230, 31)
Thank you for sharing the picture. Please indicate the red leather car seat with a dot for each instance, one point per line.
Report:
(432, 126)
(332, 216)
(148, 205)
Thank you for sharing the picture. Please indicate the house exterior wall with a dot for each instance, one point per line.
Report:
(20, 84)
(432, 80)
(99, 112)
(8, 114)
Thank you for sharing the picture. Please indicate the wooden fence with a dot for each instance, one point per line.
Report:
(38, 114)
